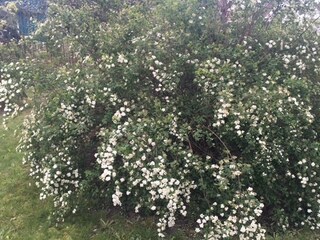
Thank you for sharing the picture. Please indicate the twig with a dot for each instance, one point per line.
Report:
(225, 146)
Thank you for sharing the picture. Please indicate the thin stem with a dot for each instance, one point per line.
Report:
(225, 146)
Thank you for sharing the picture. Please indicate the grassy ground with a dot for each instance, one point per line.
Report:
(23, 216)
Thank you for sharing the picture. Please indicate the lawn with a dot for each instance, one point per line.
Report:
(24, 216)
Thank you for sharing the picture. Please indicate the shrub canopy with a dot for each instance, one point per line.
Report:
(205, 110)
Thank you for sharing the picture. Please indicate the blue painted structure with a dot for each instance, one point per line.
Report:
(29, 12)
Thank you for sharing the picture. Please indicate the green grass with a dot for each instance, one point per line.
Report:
(23, 216)
(296, 235)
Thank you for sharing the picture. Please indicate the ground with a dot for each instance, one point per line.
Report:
(23, 216)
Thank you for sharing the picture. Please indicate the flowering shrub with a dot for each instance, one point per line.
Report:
(178, 110)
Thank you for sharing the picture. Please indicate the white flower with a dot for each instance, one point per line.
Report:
(243, 229)
(121, 59)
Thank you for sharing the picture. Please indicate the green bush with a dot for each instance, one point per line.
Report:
(199, 109)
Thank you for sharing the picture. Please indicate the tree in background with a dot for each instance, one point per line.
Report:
(8, 23)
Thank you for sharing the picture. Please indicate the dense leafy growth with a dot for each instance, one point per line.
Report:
(205, 110)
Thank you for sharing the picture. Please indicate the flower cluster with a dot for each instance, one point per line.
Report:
(14, 83)
(238, 217)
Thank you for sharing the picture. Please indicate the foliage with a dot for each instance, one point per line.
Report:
(204, 110)
(24, 216)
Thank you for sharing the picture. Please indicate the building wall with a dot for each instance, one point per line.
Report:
(29, 11)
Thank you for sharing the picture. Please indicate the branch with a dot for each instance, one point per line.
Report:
(225, 146)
